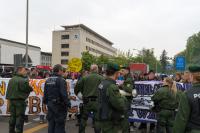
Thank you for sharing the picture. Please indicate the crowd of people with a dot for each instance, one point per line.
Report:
(109, 102)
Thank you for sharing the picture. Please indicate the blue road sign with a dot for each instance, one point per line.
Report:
(180, 63)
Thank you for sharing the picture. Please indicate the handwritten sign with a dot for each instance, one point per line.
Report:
(75, 65)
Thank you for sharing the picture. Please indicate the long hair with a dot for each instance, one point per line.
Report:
(172, 85)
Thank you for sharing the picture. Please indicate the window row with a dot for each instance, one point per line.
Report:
(64, 37)
(64, 61)
(64, 45)
(97, 44)
(64, 53)
(95, 51)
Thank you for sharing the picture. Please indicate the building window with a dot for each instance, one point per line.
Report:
(64, 61)
(65, 37)
(64, 53)
(64, 45)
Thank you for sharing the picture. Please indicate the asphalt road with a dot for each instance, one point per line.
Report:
(33, 126)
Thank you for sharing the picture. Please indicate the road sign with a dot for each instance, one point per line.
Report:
(180, 63)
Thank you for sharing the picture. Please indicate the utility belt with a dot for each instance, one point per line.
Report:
(56, 101)
(89, 99)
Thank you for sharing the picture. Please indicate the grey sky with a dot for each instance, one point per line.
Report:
(158, 24)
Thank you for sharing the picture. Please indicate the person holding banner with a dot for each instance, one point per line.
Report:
(17, 92)
(56, 99)
(87, 86)
(188, 116)
(165, 101)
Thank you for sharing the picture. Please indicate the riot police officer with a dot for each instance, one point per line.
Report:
(17, 92)
(88, 87)
(56, 99)
(188, 118)
(128, 87)
(111, 104)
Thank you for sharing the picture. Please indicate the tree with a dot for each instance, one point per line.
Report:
(163, 61)
(192, 51)
(87, 60)
(101, 60)
(149, 58)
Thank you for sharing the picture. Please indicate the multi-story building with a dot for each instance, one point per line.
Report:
(8, 49)
(46, 59)
(74, 40)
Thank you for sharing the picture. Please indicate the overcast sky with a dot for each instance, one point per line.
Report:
(130, 24)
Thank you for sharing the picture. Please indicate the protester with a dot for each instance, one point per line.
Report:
(178, 77)
(56, 99)
(165, 105)
(17, 92)
(188, 118)
(88, 87)
(151, 75)
(186, 77)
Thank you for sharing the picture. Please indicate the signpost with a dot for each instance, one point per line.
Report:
(180, 63)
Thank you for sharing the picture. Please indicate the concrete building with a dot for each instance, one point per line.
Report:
(10, 48)
(74, 40)
(46, 59)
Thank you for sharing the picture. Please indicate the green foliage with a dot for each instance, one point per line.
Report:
(163, 61)
(192, 51)
(145, 56)
(149, 58)
(87, 60)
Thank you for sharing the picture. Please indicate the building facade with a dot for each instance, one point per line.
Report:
(46, 59)
(10, 48)
(74, 40)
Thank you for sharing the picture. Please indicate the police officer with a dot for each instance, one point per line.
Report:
(111, 104)
(88, 87)
(17, 92)
(127, 86)
(188, 118)
(56, 99)
(165, 101)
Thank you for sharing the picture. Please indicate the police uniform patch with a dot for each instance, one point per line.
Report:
(128, 85)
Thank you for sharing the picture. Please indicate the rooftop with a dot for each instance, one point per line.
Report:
(46, 53)
(6, 40)
(87, 29)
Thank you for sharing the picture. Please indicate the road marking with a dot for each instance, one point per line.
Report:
(36, 128)
(25, 124)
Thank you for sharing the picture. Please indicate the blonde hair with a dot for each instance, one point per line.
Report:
(172, 85)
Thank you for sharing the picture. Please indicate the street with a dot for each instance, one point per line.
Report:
(33, 126)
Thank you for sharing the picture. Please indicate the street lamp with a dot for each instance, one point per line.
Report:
(26, 55)
(140, 51)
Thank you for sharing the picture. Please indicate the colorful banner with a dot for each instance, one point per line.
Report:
(34, 101)
(140, 108)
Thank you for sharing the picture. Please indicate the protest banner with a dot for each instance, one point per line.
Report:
(140, 108)
(35, 105)
(141, 105)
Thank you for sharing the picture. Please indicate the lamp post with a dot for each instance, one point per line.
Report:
(26, 54)
(139, 51)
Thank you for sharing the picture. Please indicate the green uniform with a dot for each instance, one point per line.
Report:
(18, 91)
(88, 87)
(127, 87)
(165, 103)
(111, 107)
(188, 118)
